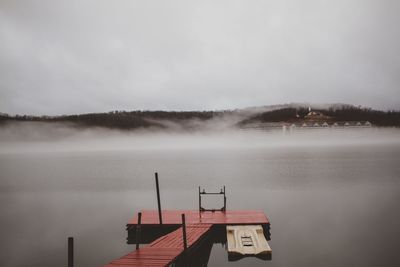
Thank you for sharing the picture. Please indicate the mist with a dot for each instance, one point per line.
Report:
(317, 186)
(331, 193)
(40, 137)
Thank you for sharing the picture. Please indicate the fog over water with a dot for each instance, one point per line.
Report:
(331, 195)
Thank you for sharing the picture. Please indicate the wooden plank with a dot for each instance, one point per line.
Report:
(230, 217)
(164, 250)
(174, 239)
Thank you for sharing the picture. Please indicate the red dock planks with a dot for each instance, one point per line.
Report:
(173, 217)
(164, 250)
(193, 233)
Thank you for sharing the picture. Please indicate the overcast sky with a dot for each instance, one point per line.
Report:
(59, 57)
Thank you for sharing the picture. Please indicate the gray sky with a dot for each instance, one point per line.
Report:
(61, 57)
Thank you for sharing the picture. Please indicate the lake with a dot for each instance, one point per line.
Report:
(332, 196)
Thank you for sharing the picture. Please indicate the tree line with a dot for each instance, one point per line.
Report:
(125, 120)
(345, 113)
(128, 120)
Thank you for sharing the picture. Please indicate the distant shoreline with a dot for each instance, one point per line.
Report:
(288, 115)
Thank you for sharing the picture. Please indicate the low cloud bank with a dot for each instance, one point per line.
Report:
(26, 137)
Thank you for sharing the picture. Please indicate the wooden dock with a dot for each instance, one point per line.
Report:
(173, 234)
(165, 250)
(168, 246)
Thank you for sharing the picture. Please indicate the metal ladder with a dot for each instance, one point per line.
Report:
(203, 192)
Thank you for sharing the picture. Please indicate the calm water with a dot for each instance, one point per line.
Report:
(332, 197)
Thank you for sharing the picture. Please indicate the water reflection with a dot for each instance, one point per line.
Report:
(322, 194)
(199, 255)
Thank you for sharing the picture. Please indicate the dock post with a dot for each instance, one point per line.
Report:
(184, 232)
(158, 199)
(224, 200)
(70, 252)
(138, 230)
(199, 200)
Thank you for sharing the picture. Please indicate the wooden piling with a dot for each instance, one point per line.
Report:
(199, 200)
(184, 231)
(70, 252)
(158, 199)
(224, 200)
(138, 229)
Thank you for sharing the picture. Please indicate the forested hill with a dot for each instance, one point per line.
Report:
(125, 120)
(130, 120)
(342, 114)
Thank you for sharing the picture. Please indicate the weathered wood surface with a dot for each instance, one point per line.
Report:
(247, 240)
(229, 217)
(165, 250)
